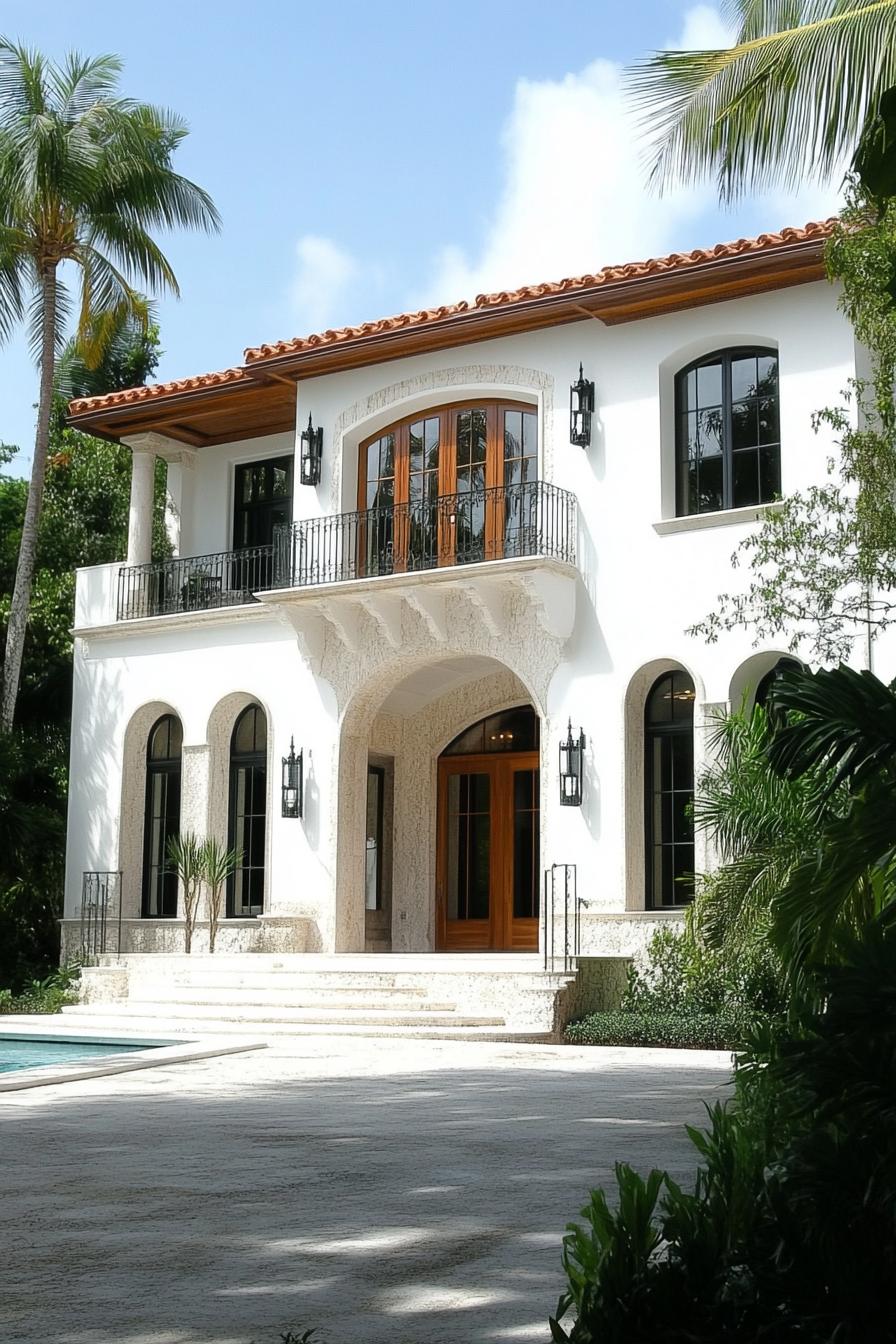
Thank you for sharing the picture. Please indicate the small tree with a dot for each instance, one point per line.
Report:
(185, 855)
(216, 865)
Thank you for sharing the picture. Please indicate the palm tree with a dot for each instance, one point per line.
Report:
(184, 855)
(789, 100)
(216, 865)
(84, 176)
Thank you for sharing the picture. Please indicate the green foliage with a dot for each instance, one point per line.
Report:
(216, 863)
(185, 856)
(790, 99)
(43, 996)
(684, 1029)
(84, 522)
(822, 565)
(788, 1232)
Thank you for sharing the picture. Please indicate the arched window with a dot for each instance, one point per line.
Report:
(511, 730)
(669, 779)
(161, 818)
(728, 438)
(451, 485)
(767, 682)
(248, 812)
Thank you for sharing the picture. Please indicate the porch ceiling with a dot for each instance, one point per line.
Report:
(429, 683)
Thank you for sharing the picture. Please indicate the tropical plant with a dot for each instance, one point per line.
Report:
(790, 99)
(842, 722)
(787, 1233)
(84, 176)
(185, 856)
(216, 865)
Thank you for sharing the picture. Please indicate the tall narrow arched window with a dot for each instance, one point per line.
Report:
(727, 432)
(763, 690)
(669, 779)
(161, 818)
(248, 812)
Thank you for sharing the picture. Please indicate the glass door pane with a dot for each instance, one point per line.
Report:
(374, 833)
(525, 885)
(378, 525)
(423, 493)
(520, 520)
(468, 846)
(471, 440)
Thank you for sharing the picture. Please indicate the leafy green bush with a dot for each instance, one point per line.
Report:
(789, 1232)
(685, 1029)
(43, 996)
(688, 996)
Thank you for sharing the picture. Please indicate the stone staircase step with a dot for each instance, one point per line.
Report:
(290, 998)
(239, 1012)
(156, 1028)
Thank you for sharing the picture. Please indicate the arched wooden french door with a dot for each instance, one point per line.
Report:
(450, 486)
(488, 836)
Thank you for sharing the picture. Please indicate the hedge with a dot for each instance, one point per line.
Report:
(680, 1030)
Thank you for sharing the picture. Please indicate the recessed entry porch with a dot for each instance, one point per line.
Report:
(442, 851)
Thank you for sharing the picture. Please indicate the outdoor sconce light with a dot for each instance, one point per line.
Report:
(581, 408)
(292, 783)
(312, 452)
(572, 753)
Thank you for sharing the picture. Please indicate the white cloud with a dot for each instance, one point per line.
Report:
(573, 194)
(321, 288)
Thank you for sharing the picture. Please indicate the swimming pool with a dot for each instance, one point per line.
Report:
(35, 1052)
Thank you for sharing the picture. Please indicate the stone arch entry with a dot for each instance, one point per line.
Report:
(374, 728)
(488, 828)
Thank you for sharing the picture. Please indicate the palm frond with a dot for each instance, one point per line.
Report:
(840, 716)
(787, 101)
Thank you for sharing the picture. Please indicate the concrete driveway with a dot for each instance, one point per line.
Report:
(382, 1191)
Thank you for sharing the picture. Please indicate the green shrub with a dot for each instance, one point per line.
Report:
(685, 1029)
(43, 996)
(789, 1232)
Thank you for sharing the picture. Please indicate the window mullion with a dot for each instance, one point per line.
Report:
(727, 454)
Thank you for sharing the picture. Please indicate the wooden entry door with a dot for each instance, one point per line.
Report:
(488, 853)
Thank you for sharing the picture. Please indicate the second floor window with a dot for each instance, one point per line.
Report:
(262, 501)
(449, 486)
(728, 438)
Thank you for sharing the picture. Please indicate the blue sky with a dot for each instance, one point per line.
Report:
(368, 158)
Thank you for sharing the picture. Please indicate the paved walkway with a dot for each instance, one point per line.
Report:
(385, 1192)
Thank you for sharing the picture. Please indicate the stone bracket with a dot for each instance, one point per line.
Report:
(488, 599)
(308, 629)
(386, 609)
(553, 597)
(345, 618)
(432, 608)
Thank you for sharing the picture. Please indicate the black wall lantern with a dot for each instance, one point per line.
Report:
(293, 784)
(581, 408)
(312, 452)
(572, 753)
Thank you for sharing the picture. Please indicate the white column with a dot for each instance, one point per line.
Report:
(179, 499)
(143, 466)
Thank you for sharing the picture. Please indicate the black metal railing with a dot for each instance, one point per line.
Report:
(194, 583)
(100, 914)
(533, 518)
(562, 917)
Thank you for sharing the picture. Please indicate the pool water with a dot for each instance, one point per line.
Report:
(33, 1052)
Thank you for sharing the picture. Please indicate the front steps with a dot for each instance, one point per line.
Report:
(448, 997)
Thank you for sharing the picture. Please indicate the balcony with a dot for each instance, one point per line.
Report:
(381, 560)
(508, 522)
(194, 583)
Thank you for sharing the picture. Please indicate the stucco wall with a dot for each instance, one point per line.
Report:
(645, 579)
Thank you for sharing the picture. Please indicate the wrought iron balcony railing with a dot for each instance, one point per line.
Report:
(532, 518)
(194, 583)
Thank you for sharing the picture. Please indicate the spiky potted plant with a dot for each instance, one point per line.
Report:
(216, 865)
(184, 855)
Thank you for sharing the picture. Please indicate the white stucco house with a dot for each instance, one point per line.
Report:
(406, 573)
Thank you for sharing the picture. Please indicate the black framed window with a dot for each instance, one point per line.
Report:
(727, 426)
(511, 730)
(248, 812)
(262, 501)
(669, 787)
(161, 821)
(766, 683)
(373, 872)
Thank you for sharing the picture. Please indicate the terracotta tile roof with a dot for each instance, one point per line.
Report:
(676, 261)
(135, 394)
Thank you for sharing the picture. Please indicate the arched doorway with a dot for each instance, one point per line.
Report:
(161, 821)
(248, 812)
(488, 864)
(669, 787)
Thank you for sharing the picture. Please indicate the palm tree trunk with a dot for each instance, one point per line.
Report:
(21, 597)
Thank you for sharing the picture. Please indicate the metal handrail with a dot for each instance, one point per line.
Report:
(194, 583)
(100, 912)
(532, 518)
(561, 906)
